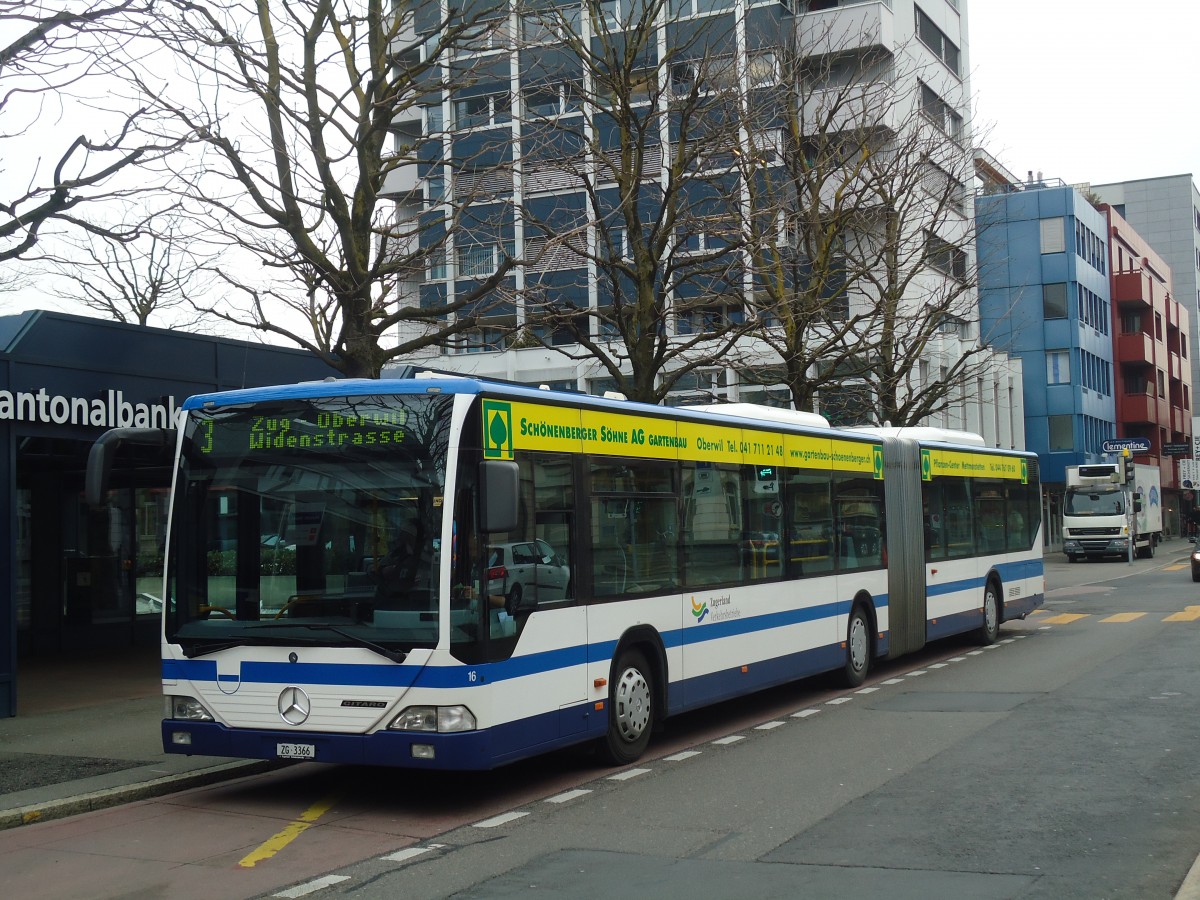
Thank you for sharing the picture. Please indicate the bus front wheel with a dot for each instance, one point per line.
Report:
(858, 647)
(630, 709)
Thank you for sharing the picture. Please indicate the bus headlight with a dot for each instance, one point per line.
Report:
(187, 708)
(442, 719)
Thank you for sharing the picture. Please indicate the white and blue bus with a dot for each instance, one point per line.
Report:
(456, 574)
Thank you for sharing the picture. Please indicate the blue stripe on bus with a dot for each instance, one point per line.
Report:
(1009, 571)
(403, 676)
(487, 748)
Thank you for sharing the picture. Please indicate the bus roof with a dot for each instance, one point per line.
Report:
(425, 382)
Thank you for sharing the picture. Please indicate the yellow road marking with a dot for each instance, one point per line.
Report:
(1191, 614)
(1064, 618)
(274, 844)
(1039, 612)
(1123, 617)
(1174, 568)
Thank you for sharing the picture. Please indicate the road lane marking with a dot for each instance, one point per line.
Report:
(568, 796)
(805, 713)
(767, 726)
(310, 887)
(1175, 568)
(731, 739)
(1123, 617)
(406, 854)
(293, 830)
(630, 773)
(1190, 614)
(1064, 618)
(502, 819)
(681, 755)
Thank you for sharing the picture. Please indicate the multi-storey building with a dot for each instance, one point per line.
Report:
(1070, 289)
(1152, 335)
(522, 157)
(1166, 213)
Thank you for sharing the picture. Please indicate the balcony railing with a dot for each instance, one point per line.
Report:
(849, 28)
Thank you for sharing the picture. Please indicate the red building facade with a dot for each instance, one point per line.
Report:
(1151, 337)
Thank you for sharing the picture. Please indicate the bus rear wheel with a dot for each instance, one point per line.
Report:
(858, 647)
(989, 631)
(630, 709)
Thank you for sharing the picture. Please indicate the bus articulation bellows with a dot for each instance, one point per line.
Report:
(456, 574)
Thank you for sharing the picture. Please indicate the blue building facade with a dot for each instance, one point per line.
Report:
(1044, 297)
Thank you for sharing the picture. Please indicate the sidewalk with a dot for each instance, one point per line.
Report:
(87, 737)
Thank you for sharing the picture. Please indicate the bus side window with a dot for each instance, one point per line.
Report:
(712, 524)
(808, 507)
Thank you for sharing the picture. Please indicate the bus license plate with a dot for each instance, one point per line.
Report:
(296, 751)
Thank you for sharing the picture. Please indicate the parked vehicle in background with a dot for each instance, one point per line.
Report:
(1103, 513)
(1196, 561)
(530, 572)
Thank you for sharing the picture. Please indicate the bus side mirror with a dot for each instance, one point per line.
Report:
(100, 457)
(499, 490)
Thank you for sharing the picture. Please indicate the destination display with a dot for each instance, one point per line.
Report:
(319, 430)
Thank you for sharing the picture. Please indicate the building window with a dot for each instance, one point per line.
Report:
(476, 260)
(945, 257)
(1058, 367)
(1060, 434)
(433, 119)
(699, 7)
(1054, 300)
(940, 113)
(437, 264)
(1053, 237)
(935, 39)
(483, 110)
(945, 189)
(549, 100)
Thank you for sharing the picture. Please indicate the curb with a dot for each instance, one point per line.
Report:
(144, 790)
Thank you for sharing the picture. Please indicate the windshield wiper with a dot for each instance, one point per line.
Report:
(203, 649)
(395, 656)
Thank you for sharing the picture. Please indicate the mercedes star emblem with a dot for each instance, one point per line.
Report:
(294, 706)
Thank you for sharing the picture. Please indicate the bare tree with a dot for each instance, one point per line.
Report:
(859, 230)
(58, 60)
(155, 273)
(309, 113)
(627, 179)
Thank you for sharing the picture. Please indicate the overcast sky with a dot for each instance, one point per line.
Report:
(1088, 90)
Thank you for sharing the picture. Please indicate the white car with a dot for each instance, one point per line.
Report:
(527, 572)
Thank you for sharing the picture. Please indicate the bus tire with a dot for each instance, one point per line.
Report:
(630, 709)
(989, 631)
(858, 646)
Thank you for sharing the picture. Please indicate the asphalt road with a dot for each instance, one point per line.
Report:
(1061, 762)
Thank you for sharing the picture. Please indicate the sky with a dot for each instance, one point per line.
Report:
(1087, 91)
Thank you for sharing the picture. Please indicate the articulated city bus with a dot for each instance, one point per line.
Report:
(456, 574)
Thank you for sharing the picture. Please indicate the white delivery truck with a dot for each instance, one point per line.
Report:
(1103, 512)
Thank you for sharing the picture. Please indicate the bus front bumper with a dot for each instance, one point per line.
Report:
(423, 750)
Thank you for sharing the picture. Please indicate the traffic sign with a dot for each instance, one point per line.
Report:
(1135, 444)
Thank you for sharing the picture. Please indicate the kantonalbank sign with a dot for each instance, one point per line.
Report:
(512, 426)
(982, 465)
(108, 410)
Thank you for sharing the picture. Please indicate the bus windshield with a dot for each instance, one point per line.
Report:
(309, 522)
